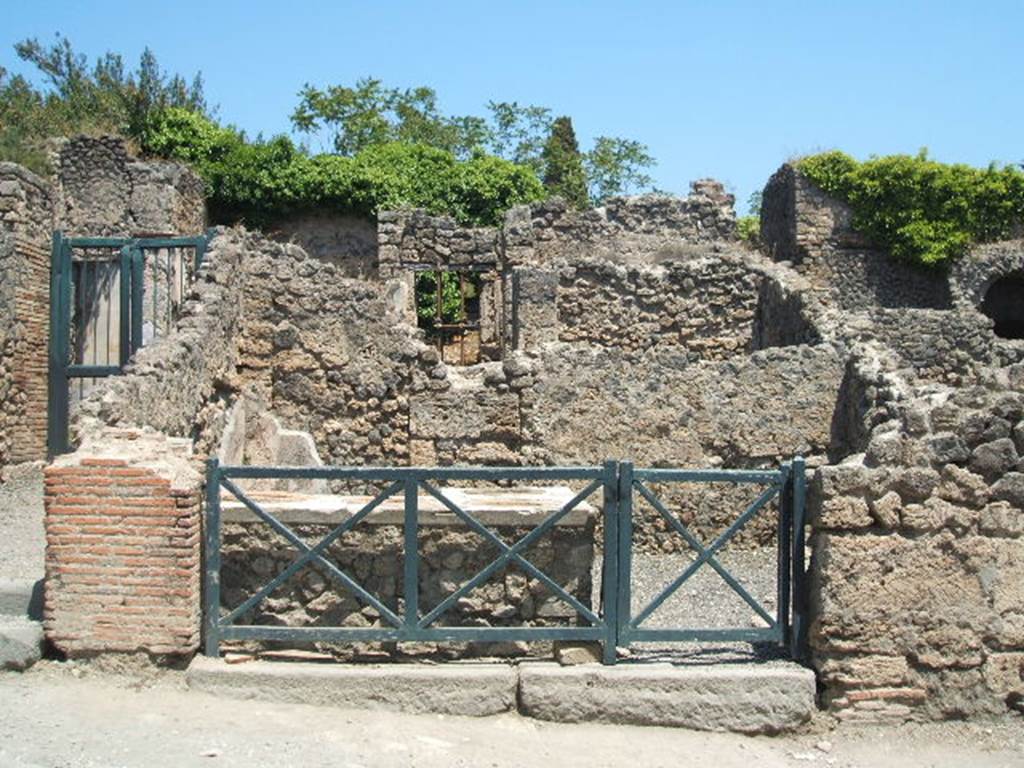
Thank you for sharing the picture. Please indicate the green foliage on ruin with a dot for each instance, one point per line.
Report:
(923, 211)
(563, 165)
(259, 181)
(78, 97)
(452, 296)
(350, 119)
(749, 229)
(385, 148)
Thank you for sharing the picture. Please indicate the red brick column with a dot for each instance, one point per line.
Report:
(122, 556)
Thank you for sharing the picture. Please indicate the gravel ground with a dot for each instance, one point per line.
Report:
(23, 541)
(73, 716)
(704, 601)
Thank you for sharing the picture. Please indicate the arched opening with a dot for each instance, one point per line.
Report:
(1004, 303)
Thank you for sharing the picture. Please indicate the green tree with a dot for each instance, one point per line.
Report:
(563, 165)
(260, 181)
(617, 167)
(81, 98)
(518, 133)
(370, 114)
(354, 119)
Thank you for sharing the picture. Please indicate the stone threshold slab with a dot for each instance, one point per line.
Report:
(742, 698)
(522, 506)
(473, 690)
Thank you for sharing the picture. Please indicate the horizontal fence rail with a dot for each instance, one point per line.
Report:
(613, 624)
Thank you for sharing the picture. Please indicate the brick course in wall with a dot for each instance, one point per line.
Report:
(25, 224)
(122, 555)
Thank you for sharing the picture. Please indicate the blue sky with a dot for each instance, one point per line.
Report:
(722, 89)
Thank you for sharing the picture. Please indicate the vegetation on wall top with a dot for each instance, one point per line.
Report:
(923, 211)
(386, 147)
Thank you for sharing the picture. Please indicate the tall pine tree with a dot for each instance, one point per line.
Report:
(563, 165)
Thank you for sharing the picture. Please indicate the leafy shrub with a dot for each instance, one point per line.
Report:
(749, 229)
(923, 211)
(263, 180)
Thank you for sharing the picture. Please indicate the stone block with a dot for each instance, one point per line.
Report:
(844, 512)
(21, 643)
(468, 690)
(742, 698)
(1010, 488)
(1000, 518)
(992, 460)
(887, 510)
(962, 487)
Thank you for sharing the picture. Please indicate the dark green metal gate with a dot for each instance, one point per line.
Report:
(614, 623)
(109, 296)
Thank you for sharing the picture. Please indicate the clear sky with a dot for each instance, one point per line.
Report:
(722, 89)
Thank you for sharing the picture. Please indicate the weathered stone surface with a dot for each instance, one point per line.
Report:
(1010, 488)
(741, 698)
(887, 510)
(572, 654)
(451, 689)
(992, 460)
(844, 512)
(959, 486)
(865, 671)
(1000, 518)
(21, 643)
(947, 448)
(915, 484)
(928, 597)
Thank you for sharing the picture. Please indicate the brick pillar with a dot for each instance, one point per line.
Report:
(123, 547)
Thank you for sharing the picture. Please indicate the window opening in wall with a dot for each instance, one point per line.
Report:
(1004, 303)
(448, 309)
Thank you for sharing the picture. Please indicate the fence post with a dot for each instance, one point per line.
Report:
(784, 566)
(411, 577)
(798, 633)
(624, 606)
(610, 561)
(138, 279)
(211, 586)
(60, 276)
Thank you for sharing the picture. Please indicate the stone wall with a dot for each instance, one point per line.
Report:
(929, 317)
(348, 242)
(644, 228)
(916, 575)
(803, 225)
(704, 305)
(374, 555)
(330, 355)
(25, 229)
(102, 190)
(183, 383)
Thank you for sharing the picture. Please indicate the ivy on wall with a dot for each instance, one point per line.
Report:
(923, 211)
(263, 180)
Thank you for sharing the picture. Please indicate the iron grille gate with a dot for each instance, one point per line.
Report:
(614, 624)
(109, 296)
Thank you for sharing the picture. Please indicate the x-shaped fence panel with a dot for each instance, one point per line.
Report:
(637, 482)
(409, 622)
(613, 623)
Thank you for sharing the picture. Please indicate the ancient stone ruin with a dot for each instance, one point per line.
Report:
(642, 330)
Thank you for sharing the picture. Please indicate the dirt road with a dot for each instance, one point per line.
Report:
(70, 716)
